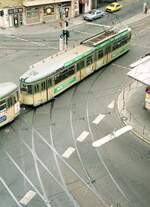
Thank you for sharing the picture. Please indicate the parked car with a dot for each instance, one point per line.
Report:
(113, 7)
(94, 14)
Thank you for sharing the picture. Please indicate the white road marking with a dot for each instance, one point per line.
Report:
(98, 119)
(26, 40)
(10, 192)
(27, 179)
(120, 66)
(28, 197)
(18, 38)
(68, 152)
(99, 25)
(111, 136)
(88, 33)
(66, 163)
(82, 136)
(112, 104)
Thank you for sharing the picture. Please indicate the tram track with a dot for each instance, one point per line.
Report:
(64, 161)
(75, 204)
(36, 158)
(91, 181)
(93, 139)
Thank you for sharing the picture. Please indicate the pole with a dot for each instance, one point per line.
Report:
(65, 36)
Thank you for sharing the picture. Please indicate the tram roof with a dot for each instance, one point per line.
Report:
(141, 70)
(105, 36)
(6, 89)
(54, 63)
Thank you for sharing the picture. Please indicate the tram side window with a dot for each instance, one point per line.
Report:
(17, 94)
(14, 99)
(64, 74)
(108, 49)
(49, 83)
(43, 86)
(70, 71)
(100, 54)
(9, 102)
(119, 43)
(57, 78)
(89, 60)
(30, 91)
(36, 88)
(2, 106)
(80, 65)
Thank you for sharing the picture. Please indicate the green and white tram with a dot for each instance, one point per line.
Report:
(9, 102)
(51, 76)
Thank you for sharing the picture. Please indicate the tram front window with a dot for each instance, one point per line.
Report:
(2, 106)
(23, 87)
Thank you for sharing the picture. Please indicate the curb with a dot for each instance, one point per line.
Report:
(121, 106)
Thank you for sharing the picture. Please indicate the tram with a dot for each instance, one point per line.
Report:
(9, 102)
(51, 76)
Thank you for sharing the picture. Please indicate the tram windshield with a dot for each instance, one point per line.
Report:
(2, 106)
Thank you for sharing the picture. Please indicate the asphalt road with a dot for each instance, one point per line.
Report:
(31, 147)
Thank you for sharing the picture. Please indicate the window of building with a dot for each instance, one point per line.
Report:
(32, 12)
(48, 10)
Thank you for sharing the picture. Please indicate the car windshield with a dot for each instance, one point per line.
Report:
(91, 12)
(112, 5)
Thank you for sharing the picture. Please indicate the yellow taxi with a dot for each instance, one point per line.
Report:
(113, 7)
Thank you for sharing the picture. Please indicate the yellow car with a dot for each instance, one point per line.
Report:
(113, 7)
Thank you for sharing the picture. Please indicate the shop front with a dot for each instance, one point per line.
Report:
(84, 6)
(15, 17)
(11, 17)
(44, 11)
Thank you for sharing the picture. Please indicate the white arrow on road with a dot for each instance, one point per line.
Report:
(112, 136)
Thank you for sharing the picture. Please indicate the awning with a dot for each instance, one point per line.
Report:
(28, 3)
(141, 71)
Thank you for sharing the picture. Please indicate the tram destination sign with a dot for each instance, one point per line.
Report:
(3, 118)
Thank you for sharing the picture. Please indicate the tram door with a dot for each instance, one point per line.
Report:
(107, 56)
(40, 93)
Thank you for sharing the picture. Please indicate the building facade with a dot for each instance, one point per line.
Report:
(14, 13)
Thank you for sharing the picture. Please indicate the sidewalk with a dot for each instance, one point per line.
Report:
(132, 112)
(55, 25)
(41, 28)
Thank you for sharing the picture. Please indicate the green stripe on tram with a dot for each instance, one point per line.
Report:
(65, 84)
(82, 55)
(107, 42)
(100, 45)
(120, 51)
